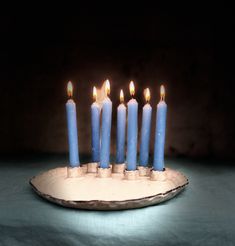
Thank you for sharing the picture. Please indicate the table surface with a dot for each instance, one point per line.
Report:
(204, 214)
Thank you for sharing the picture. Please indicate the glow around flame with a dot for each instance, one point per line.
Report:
(132, 88)
(70, 89)
(94, 93)
(121, 96)
(162, 92)
(107, 87)
(147, 94)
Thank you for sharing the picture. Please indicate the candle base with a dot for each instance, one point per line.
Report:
(131, 175)
(144, 171)
(119, 168)
(158, 175)
(75, 172)
(84, 168)
(92, 167)
(105, 190)
(104, 172)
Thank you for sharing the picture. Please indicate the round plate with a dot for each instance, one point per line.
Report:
(113, 193)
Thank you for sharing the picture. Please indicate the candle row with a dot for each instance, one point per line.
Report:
(101, 148)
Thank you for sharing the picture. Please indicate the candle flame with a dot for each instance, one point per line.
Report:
(147, 94)
(107, 87)
(70, 89)
(94, 93)
(121, 96)
(132, 88)
(162, 92)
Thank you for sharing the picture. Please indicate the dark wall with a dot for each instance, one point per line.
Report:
(190, 53)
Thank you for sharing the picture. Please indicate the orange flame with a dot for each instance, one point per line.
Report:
(162, 92)
(107, 87)
(132, 88)
(70, 89)
(94, 93)
(121, 96)
(147, 95)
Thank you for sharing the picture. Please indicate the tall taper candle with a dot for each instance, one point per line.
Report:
(72, 128)
(106, 128)
(158, 162)
(132, 130)
(145, 130)
(95, 128)
(121, 130)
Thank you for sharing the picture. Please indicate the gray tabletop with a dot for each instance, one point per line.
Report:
(204, 214)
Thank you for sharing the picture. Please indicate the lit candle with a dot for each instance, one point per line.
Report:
(158, 163)
(132, 129)
(72, 128)
(106, 128)
(121, 130)
(95, 128)
(145, 130)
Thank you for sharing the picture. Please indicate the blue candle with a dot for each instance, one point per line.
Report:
(132, 129)
(158, 163)
(145, 131)
(106, 128)
(95, 128)
(72, 128)
(121, 130)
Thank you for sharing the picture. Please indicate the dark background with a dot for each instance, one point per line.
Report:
(190, 52)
